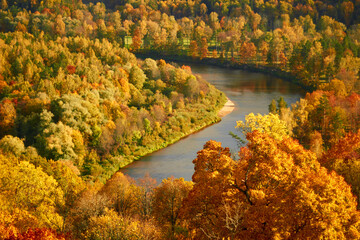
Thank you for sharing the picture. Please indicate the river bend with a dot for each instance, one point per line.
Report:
(250, 92)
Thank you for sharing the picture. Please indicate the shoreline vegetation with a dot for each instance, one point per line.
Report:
(225, 110)
(99, 108)
(225, 63)
(228, 107)
(223, 107)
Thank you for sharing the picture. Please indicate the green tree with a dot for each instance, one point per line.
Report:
(272, 107)
(12, 145)
(137, 77)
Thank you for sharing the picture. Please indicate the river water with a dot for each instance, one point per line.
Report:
(250, 92)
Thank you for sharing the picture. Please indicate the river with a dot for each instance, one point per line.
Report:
(250, 92)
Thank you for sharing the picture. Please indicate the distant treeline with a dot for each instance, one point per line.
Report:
(316, 41)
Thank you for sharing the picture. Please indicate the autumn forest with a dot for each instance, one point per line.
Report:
(88, 87)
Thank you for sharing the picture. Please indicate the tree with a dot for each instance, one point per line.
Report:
(122, 193)
(270, 124)
(276, 189)
(59, 26)
(147, 185)
(136, 39)
(71, 185)
(337, 86)
(192, 87)
(88, 205)
(29, 197)
(12, 145)
(247, 52)
(7, 117)
(255, 21)
(58, 142)
(347, 9)
(343, 158)
(281, 104)
(272, 107)
(316, 143)
(203, 48)
(38, 233)
(4, 4)
(137, 77)
(202, 209)
(193, 49)
(168, 198)
(320, 117)
(150, 68)
(111, 226)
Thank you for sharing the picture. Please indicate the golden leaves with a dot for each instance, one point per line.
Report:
(270, 124)
(29, 197)
(281, 188)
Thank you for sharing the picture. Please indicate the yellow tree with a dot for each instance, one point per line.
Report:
(71, 185)
(112, 226)
(270, 124)
(29, 197)
(59, 26)
(123, 194)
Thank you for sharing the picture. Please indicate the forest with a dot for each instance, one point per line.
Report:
(77, 104)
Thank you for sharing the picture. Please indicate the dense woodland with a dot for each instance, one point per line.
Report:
(76, 105)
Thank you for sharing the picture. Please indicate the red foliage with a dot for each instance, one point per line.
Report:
(186, 68)
(353, 99)
(46, 11)
(345, 149)
(304, 10)
(3, 84)
(15, 101)
(39, 234)
(71, 69)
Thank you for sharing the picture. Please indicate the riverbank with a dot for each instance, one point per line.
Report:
(250, 92)
(223, 63)
(194, 117)
(227, 108)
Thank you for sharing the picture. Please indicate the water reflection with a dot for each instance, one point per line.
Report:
(251, 92)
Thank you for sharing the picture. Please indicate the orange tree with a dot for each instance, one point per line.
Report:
(167, 203)
(344, 159)
(276, 190)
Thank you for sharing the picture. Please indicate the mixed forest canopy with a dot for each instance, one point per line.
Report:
(314, 42)
(93, 105)
(76, 105)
